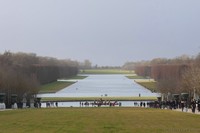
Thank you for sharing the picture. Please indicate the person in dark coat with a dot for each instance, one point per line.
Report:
(141, 104)
(193, 105)
(199, 105)
(182, 105)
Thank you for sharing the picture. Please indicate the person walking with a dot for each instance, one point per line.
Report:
(199, 105)
(186, 105)
(193, 105)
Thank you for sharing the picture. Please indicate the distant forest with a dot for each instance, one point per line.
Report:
(21, 74)
(175, 76)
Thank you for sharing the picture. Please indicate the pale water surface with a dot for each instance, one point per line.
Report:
(103, 85)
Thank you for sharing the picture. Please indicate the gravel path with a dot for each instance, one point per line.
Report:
(189, 111)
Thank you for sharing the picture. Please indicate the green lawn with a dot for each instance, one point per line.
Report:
(105, 71)
(58, 85)
(76, 77)
(97, 98)
(98, 120)
(149, 85)
(135, 77)
(54, 87)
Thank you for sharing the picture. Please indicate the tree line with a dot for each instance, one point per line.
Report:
(174, 76)
(21, 74)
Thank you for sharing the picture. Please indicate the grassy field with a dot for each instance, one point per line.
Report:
(135, 77)
(97, 98)
(149, 85)
(54, 87)
(98, 120)
(105, 71)
(58, 85)
(76, 77)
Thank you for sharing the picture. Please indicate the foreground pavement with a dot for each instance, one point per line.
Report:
(188, 111)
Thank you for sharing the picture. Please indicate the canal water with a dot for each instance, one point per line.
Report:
(101, 86)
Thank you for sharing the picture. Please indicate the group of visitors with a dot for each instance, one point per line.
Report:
(51, 104)
(99, 103)
(183, 105)
(194, 104)
(173, 104)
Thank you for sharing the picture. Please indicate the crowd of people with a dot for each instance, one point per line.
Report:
(175, 104)
(184, 105)
(51, 104)
(99, 103)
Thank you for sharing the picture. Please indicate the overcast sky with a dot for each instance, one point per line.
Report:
(107, 32)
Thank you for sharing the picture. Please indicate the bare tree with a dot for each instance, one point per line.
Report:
(191, 80)
(21, 73)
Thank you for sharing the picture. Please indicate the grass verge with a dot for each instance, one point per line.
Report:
(149, 85)
(54, 86)
(97, 98)
(58, 85)
(76, 77)
(135, 77)
(105, 71)
(98, 120)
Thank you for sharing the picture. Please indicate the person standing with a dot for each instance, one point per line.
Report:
(182, 105)
(144, 104)
(141, 103)
(186, 105)
(199, 105)
(193, 105)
